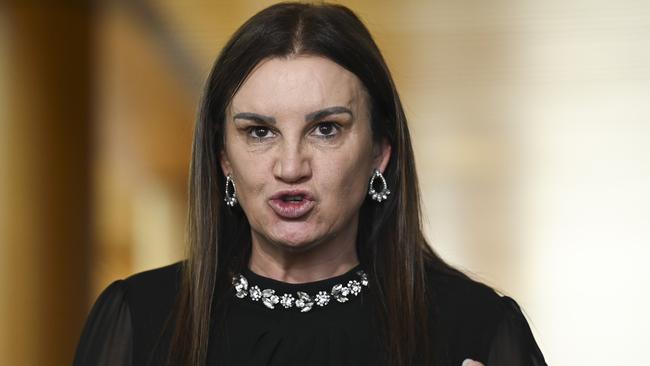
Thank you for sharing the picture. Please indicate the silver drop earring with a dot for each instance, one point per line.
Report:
(381, 195)
(231, 195)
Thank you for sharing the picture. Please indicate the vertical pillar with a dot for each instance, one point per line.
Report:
(45, 180)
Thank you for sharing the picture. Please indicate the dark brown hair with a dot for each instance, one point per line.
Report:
(390, 243)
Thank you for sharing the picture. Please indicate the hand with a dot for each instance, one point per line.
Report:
(469, 362)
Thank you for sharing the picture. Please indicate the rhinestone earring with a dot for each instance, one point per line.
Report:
(381, 195)
(231, 198)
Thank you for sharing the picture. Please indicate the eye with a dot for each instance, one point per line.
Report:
(326, 129)
(260, 132)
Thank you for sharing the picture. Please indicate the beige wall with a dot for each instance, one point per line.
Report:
(530, 125)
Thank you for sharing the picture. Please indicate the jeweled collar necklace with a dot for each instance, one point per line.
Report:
(299, 300)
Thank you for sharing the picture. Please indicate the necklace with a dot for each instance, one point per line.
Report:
(302, 300)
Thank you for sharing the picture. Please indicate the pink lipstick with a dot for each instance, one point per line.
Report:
(292, 204)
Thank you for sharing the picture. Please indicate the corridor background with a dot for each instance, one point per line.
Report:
(531, 127)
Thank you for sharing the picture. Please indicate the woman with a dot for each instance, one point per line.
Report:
(306, 245)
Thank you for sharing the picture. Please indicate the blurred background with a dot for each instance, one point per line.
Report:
(530, 119)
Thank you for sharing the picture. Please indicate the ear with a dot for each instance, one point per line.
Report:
(225, 163)
(381, 157)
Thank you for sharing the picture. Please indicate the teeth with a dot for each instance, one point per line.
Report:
(292, 198)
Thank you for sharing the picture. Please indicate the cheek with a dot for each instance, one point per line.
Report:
(349, 170)
(348, 181)
(251, 172)
(250, 191)
(252, 179)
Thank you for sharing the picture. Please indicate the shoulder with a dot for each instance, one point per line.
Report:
(151, 295)
(466, 312)
(466, 296)
(128, 318)
(151, 298)
(153, 285)
(149, 289)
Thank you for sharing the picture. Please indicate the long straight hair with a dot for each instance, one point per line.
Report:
(390, 243)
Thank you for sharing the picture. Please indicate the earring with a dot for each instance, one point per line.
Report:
(231, 198)
(383, 194)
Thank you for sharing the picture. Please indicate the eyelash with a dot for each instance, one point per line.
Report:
(334, 125)
(251, 130)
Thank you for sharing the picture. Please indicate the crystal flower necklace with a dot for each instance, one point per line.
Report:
(302, 301)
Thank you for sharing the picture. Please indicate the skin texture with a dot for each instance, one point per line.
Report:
(271, 146)
(469, 362)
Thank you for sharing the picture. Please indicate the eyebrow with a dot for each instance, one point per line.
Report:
(313, 116)
(254, 117)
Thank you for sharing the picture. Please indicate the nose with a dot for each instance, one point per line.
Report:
(292, 164)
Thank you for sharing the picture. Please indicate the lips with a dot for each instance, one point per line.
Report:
(292, 204)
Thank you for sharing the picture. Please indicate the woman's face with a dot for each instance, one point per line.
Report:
(300, 150)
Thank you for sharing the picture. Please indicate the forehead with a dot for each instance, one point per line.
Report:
(298, 84)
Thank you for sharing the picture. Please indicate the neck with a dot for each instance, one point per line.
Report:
(321, 261)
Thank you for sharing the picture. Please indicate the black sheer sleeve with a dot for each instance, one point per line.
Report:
(513, 343)
(107, 337)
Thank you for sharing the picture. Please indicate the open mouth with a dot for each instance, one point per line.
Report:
(292, 198)
(291, 205)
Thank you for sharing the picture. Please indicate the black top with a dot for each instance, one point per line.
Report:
(124, 325)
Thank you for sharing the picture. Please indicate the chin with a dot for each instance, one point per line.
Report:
(296, 242)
